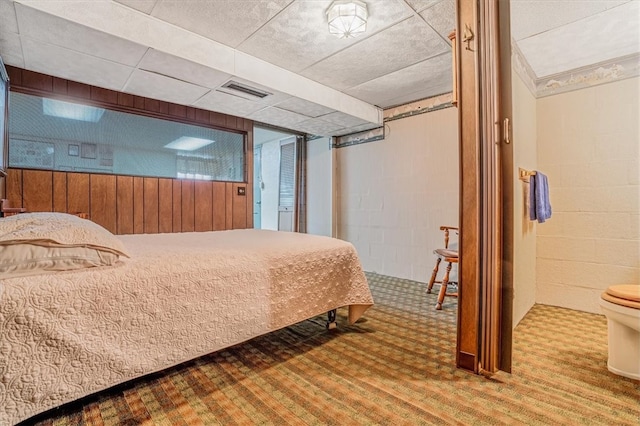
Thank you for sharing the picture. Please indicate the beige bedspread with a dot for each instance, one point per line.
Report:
(68, 334)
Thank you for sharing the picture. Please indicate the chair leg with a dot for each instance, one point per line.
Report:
(443, 288)
(433, 275)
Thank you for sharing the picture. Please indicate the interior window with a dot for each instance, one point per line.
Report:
(57, 135)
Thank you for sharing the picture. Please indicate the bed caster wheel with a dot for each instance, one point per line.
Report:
(332, 325)
(438, 306)
(428, 291)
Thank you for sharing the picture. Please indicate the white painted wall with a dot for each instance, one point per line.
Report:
(394, 194)
(319, 187)
(588, 145)
(271, 182)
(524, 233)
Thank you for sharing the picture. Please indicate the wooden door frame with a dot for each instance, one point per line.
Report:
(486, 220)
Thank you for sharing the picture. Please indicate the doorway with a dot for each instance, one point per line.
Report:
(275, 179)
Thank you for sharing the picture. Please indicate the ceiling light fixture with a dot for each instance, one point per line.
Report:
(347, 18)
(62, 109)
(186, 143)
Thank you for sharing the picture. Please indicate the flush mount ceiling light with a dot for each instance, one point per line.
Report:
(186, 143)
(71, 111)
(347, 18)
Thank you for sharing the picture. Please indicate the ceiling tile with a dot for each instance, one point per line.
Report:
(156, 86)
(582, 43)
(420, 5)
(228, 104)
(530, 17)
(442, 17)
(11, 49)
(343, 120)
(51, 29)
(431, 77)
(145, 6)
(227, 22)
(316, 126)
(356, 129)
(298, 37)
(55, 60)
(397, 47)
(278, 117)
(304, 107)
(182, 69)
(8, 20)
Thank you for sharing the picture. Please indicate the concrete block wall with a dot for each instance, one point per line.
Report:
(393, 195)
(589, 147)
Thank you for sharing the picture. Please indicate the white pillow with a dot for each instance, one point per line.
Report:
(40, 242)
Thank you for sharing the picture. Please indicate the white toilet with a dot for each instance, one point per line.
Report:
(621, 305)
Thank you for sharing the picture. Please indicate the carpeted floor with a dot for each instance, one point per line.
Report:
(394, 367)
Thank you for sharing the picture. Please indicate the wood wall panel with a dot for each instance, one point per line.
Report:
(37, 190)
(133, 205)
(188, 218)
(239, 217)
(228, 199)
(59, 191)
(219, 206)
(138, 205)
(78, 90)
(150, 205)
(13, 187)
(203, 202)
(78, 193)
(38, 81)
(124, 204)
(177, 205)
(59, 86)
(165, 206)
(103, 194)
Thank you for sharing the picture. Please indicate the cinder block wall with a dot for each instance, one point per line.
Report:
(589, 146)
(394, 194)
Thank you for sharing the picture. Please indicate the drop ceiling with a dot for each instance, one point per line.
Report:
(184, 51)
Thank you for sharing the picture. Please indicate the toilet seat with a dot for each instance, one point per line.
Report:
(625, 295)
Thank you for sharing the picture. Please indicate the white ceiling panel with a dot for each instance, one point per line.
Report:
(319, 127)
(356, 129)
(278, 117)
(404, 44)
(305, 107)
(8, 20)
(570, 46)
(182, 69)
(442, 17)
(227, 22)
(343, 120)
(11, 50)
(228, 104)
(531, 17)
(50, 29)
(431, 77)
(156, 86)
(145, 6)
(298, 37)
(420, 5)
(42, 57)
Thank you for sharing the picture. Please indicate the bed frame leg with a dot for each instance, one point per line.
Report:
(331, 322)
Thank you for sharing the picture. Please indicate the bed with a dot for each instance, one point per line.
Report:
(151, 301)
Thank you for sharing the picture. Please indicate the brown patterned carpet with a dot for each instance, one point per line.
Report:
(395, 367)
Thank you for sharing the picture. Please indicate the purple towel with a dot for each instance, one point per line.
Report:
(539, 204)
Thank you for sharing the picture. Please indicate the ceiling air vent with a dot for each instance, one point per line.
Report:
(237, 88)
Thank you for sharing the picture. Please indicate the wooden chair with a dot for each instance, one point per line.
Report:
(450, 256)
(5, 210)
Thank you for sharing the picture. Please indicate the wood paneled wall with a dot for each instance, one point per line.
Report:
(128, 204)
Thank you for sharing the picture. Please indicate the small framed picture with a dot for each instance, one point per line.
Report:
(74, 150)
(88, 150)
